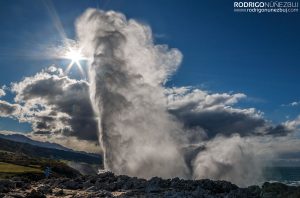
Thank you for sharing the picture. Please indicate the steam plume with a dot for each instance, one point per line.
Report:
(126, 76)
(230, 159)
(138, 134)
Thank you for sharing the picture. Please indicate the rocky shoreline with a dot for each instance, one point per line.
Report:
(109, 185)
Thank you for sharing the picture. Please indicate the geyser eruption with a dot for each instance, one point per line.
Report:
(126, 75)
(138, 135)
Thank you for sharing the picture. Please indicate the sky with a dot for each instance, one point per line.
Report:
(223, 51)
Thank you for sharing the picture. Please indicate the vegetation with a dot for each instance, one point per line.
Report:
(13, 168)
(23, 159)
(19, 164)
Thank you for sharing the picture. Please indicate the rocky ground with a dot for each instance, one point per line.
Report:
(109, 185)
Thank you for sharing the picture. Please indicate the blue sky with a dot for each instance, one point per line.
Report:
(255, 54)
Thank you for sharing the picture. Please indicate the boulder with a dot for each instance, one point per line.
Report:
(6, 185)
(35, 194)
(45, 189)
(59, 192)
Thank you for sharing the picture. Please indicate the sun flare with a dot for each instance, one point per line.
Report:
(75, 56)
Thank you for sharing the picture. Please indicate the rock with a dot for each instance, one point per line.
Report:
(87, 184)
(218, 186)
(4, 189)
(6, 185)
(35, 194)
(178, 194)
(16, 195)
(255, 190)
(45, 189)
(101, 185)
(153, 185)
(199, 192)
(279, 190)
(72, 185)
(106, 175)
(109, 185)
(274, 187)
(91, 189)
(59, 193)
(127, 185)
(102, 193)
(174, 182)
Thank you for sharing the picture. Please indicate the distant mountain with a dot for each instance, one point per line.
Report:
(25, 139)
(50, 153)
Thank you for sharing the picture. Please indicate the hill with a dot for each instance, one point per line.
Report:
(25, 139)
(20, 165)
(50, 153)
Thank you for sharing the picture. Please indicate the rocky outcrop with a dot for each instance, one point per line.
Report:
(110, 185)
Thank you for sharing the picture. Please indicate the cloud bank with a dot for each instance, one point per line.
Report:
(57, 107)
(57, 104)
(216, 115)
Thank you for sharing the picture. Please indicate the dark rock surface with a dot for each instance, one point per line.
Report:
(109, 185)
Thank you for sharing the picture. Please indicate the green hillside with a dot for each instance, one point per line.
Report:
(18, 164)
(13, 168)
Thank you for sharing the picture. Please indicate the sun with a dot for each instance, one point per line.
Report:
(75, 56)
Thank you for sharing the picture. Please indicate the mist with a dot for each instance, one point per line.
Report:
(233, 159)
(138, 135)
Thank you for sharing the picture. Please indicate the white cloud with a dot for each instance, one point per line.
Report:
(56, 104)
(216, 113)
(293, 124)
(9, 110)
(292, 104)
(2, 92)
(295, 103)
